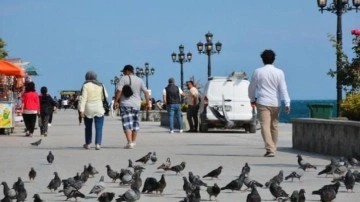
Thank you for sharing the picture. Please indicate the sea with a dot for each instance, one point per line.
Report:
(300, 109)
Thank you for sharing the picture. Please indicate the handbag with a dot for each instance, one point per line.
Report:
(126, 90)
(105, 103)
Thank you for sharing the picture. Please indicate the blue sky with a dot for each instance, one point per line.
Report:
(64, 39)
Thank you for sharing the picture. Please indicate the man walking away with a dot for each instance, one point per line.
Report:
(172, 99)
(266, 88)
(192, 98)
(130, 104)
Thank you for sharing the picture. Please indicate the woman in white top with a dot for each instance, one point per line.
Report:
(91, 108)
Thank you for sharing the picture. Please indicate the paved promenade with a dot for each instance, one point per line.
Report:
(201, 151)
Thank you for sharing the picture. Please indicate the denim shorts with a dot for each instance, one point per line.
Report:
(130, 118)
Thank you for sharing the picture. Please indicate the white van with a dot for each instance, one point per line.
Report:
(225, 104)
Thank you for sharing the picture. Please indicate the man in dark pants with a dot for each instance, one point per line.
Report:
(172, 99)
(192, 98)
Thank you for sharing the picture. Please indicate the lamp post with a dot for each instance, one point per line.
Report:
(181, 59)
(141, 72)
(208, 49)
(338, 7)
(114, 82)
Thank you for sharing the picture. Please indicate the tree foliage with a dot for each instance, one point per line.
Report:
(349, 73)
(3, 52)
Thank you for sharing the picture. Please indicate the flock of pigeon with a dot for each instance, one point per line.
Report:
(343, 171)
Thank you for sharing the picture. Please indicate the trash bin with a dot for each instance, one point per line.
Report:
(322, 111)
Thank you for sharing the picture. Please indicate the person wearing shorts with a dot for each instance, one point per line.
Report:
(130, 106)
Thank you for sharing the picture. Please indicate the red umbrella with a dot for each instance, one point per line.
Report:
(10, 69)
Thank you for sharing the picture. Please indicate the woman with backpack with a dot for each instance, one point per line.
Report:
(47, 105)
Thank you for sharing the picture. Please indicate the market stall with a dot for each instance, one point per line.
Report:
(11, 85)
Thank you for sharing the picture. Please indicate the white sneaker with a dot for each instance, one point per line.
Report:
(129, 146)
(181, 131)
(97, 147)
(133, 143)
(49, 124)
(171, 131)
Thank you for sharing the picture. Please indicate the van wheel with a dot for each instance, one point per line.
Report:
(252, 128)
(204, 128)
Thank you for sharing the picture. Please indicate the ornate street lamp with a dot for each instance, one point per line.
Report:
(338, 7)
(114, 82)
(208, 49)
(141, 72)
(181, 59)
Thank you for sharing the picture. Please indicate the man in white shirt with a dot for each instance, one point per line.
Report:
(267, 87)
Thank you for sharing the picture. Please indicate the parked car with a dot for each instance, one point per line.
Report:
(225, 104)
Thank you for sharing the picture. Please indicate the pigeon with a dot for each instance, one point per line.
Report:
(356, 175)
(112, 174)
(6, 199)
(294, 196)
(145, 158)
(98, 187)
(150, 185)
(50, 157)
(75, 194)
(10, 193)
(327, 195)
(213, 191)
(77, 184)
(328, 170)
(92, 171)
(106, 197)
(187, 186)
(32, 174)
(246, 169)
(194, 196)
(296, 174)
(136, 178)
(153, 158)
(302, 195)
(162, 184)
(37, 198)
(196, 180)
(135, 167)
(67, 189)
(277, 191)
(335, 187)
(235, 184)
(84, 176)
(349, 181)
(178, 168)
(166, 165)
(341, 170)
(21, 193)
(277, 179)
(37, 143)
(214, 173)
(131, 195)
(353, 161)
(248, 182)
(304, 164)
(55, 182)
(17, 184)
(253, 196)
(125, 176)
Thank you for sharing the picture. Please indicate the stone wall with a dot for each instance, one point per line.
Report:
(324, 136)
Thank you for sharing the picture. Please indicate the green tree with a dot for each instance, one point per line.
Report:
(3, 52)
(349, 73)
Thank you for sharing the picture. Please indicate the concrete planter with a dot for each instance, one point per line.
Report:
(326, 136)
(154, 115)
(164, 121)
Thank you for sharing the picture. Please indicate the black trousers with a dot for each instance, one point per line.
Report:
(192, 117)
(30, 121)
